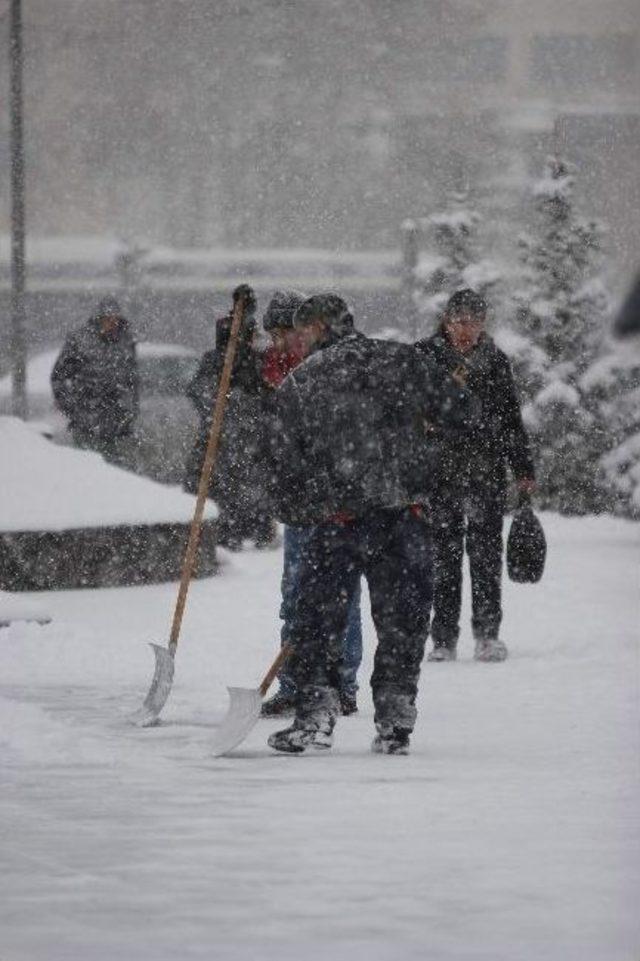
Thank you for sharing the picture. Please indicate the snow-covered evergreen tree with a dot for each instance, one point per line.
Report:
(450, 260)
(562, 325)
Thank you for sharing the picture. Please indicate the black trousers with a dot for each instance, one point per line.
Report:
(392, 549)
(468, 515)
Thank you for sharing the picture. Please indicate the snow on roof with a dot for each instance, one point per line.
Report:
(48, 487)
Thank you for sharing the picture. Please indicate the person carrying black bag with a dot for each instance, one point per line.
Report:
(468, 504)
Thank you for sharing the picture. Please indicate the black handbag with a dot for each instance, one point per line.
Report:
(526, 546)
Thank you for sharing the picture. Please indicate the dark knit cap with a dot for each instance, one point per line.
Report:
(329, 308)
(108, 307)
(282, 307)
(250, 303)
(466, 301)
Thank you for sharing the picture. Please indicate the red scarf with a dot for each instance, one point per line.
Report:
(277, 364)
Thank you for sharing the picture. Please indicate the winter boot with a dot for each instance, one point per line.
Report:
(395, 717)
(390, 740)
(318, 708)
(443, 652)
(348, 703)
(280, 705)
(490, 649)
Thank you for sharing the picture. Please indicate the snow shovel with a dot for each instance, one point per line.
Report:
(244, 709)
(165, 656)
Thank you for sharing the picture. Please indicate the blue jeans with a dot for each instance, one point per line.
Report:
(295, 541)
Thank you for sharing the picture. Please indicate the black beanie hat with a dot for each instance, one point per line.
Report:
(327, 307)
(466, 301)
(282, 307)
(108, 307)
(250, 303)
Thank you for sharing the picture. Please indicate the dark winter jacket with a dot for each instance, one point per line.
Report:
(240, 480)
(351, 433)
(500, 437)
(95, 381)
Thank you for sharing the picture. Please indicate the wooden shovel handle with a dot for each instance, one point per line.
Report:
(208, 464)
(273, 670)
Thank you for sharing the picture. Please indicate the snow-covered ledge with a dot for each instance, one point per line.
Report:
(69, 519)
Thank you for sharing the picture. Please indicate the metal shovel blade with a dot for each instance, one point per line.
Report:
(159, 690)
(244, 710)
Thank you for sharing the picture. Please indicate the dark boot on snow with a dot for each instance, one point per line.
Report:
(280, 705)
(391, 740)
(317, 711)
(395, 717)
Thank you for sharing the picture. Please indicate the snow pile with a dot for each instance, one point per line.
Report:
(46, 487)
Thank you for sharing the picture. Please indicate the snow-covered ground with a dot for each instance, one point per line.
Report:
(511, 833)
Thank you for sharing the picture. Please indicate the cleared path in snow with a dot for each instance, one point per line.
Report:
(511, 831)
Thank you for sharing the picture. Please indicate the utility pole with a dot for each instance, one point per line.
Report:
(18, 346)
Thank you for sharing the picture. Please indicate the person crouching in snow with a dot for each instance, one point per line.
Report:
(469, 503)
(284, 355)
(350, 461)
(95, 381)
(239, 484)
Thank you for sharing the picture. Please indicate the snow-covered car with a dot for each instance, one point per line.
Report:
(167, 423)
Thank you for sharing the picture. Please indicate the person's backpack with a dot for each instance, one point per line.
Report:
(526, 546)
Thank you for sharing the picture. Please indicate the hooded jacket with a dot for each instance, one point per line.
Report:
(95, 380)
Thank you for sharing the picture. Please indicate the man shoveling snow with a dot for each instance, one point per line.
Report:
(353, 463)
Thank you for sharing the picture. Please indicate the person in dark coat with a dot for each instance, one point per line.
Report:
(283, 355)
(350, 459)
(468, 503)
(239, 483)
(95, 381)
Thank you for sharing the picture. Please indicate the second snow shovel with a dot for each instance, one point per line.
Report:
(165, 656)
(245, 704)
